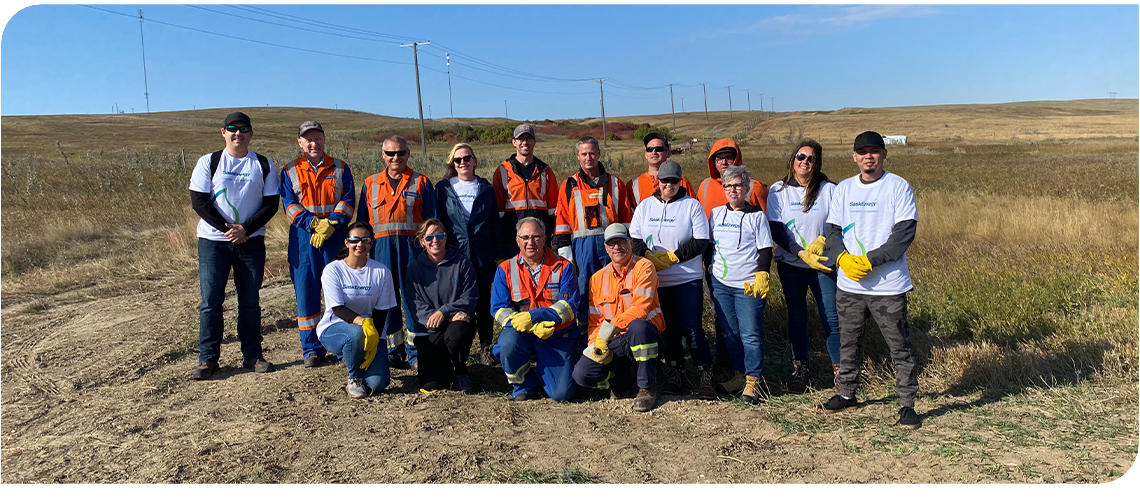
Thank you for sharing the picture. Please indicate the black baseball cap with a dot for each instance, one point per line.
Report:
(653, 135)
(869, 139)
(235, 117)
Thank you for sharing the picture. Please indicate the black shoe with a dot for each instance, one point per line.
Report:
(521, 397)
(671, 379)
(909, 419)
(259, 365)
(838, 403)
(204, 371)
(313, 360)
(397, 362)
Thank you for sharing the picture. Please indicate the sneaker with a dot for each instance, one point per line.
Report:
(487, 358)
(705, 390)
(731, 386)
(203, 371)
(463, 383)
(909, 419)
(838, 403)
(356, 389)
(799, 381)
(754, 390)
(835, 376)
(672, 379)
(313, 360)
(258, 365)
(521, 397)
(645, 400)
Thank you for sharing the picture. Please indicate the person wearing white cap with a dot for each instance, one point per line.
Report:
(525, 186)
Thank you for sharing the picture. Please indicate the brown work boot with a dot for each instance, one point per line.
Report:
(754, 390)
(835, 376)
(204, 371)
(731, 386)
(799, 381)
(705, 390)
(646, 399)
(258, 365)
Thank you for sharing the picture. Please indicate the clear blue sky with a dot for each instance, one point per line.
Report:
(57, 59)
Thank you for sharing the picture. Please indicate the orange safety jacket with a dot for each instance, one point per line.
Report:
(399, 213)
(553, 292)
(623, 297)
(586, 211)
(711, 193)
(643, 186)
(512, 193)
(321, 192)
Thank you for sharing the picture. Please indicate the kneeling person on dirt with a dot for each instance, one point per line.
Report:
(625, 323)
(234, 191)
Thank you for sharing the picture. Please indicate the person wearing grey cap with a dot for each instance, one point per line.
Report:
(525, 186)
(873, 217)
(234, 191)
(319, 197)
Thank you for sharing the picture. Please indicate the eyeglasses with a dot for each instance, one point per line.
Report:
(804, 157)
(734, 187)
(527, 239)
(460, 159)
(669, 180)
(656, 149)
(432, 237)
(724, 157)
(236, 129)
(356, 240)
(401, 153)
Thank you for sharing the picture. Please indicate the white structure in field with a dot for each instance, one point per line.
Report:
(894, 140)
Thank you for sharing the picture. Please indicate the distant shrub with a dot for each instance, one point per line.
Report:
(646, 129)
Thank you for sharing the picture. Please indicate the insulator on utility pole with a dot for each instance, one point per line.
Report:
(419, 99)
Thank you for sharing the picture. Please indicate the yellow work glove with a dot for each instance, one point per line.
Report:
(816, 246)
(813, 260)
(322, 230)
(667, 257)
(855, 267)
(521, 321)
(599, 351)
(758, 288)
(371, 342)
(657, 263)
(543, 330)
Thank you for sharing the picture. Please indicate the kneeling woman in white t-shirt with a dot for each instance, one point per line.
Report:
(742, 257)
(358, 295)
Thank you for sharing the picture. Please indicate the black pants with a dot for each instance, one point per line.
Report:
(443, 353)
(483, 315)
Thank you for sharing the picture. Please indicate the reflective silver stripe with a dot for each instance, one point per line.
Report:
(542, 184)
(580, 213)
(704, 190)
(609, 311)
(338, 179)
(564, 310)
(643, 292)
(293, 210)
(395, 338)
(396, 226)
(309, 323)
(527, 203)
(595, 310)
(291, 171)
(320, 210)
(409, 211)
(345, 208)
(519, 376)
(643, 353)
(373, 205)
(516, 287)
(653, 313)
(505, 175)
(614, 192)
(636, 191)
(561, 229)
(502, 315)
(556, 277)
(627, 300)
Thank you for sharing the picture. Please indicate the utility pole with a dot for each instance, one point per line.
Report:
(449, 102)
(603, 95)
(703, 92)
(419, 99)
(146, 91)
(729, 87)
(761, 103)
(429, 111)
(772, 106)
(682, 105)
(672, 110)
(505, 113)
(748, 93)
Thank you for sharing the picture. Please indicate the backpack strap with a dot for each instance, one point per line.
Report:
(264, 166)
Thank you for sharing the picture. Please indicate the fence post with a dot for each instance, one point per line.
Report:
(184, 159)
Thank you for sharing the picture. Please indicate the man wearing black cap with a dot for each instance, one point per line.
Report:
(872, 219)
(656, 152)
(524, 187)
(319, 197)
(234, 191)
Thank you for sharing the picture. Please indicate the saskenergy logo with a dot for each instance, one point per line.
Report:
(235, 173)
(667, 220)
(362, 288)
(728, 224)
(864, 203)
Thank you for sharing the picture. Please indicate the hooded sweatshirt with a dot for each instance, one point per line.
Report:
(678, 225)
(711, 192)
(450, 287)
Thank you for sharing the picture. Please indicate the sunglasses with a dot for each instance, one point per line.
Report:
(656, 149)
(401, 153)
(460, 159)
(669, 180)
(236, 129)
(432, 237)
(804, 157)
(355, 240)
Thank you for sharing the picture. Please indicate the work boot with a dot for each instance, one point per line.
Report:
(754, 390)
(258, 365)
(204, 371)
(397, 362)
(671, 375)
(799, 381)
(705, 390)
(646, 399)
(731, 386)
(463, 383)
(356, 389)
(313, 360)
(909, 419)
(835, 376)
(487, 358)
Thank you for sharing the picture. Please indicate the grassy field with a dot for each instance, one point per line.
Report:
(1025, 308)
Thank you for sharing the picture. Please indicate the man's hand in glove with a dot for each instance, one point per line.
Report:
(816, 246)
(371, 342)
(521, 321)
(855, 267)
(600, 351)
(543, 330)
(813, 259)
(322, 230)
(758, 288)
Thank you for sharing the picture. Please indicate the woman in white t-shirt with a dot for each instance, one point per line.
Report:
(468, 211)
(741, 259)
(797, 211)
(358, 295)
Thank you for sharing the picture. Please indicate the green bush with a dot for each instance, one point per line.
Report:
(646, 129)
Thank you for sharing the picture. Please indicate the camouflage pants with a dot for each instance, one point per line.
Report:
(889, 313)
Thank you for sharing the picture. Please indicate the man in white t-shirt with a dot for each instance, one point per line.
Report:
(234, 191)
(873, 217)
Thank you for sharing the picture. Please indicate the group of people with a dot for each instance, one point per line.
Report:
(594, 282)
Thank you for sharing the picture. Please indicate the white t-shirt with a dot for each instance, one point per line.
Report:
(467, 190)
(666, 226)
(787, 207)
(360, 290)
(866, 213)
(237, 188)
(737, 237)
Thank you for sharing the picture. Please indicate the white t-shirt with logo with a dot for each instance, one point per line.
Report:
(237, 188)
(361, 290)
(666, 226)
(466, 190)
(737, 238)
(787, 207)
(866, 213)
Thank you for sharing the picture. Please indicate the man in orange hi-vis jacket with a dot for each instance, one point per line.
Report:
(656, 152)
(524, 187)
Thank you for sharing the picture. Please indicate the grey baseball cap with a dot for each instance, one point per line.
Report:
(523, 129)
(309, 125)
(669, 169)
(235, 117)
(616, 229)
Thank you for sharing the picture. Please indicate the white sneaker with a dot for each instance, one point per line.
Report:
(356, 389)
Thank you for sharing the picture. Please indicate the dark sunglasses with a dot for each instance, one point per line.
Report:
(354, 240)
(236, 129)
(460, 159)
(432, 237)
(401, 153)
(804, 157)
(669, 180)
(656, 149)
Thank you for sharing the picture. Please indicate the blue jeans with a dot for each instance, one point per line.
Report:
(796, 281)
(346, 340)
(215, 259)
(683, 304)
(742, 319)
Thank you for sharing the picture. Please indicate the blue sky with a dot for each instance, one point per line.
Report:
(60, 59)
